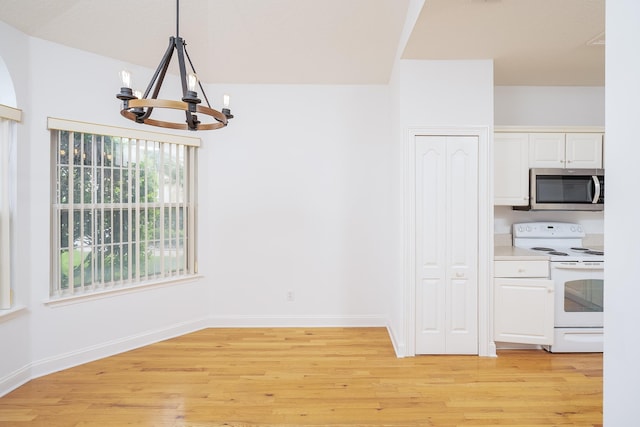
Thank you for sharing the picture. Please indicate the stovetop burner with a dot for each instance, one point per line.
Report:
(592, 252)
(558, 253)
(539, 248)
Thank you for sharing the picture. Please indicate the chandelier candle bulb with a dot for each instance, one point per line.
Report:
(125, 78)
(126, 94)
(192, 82)
(225, 106)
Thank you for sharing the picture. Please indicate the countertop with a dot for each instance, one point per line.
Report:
(511, 253)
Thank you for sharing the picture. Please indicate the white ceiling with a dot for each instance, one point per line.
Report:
(533, 42)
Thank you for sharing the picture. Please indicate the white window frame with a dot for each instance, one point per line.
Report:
(8, 118)
(138, 142)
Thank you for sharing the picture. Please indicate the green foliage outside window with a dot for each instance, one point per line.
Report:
(120, 209)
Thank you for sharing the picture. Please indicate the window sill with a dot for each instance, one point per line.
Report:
(108, 293)
(10, 313)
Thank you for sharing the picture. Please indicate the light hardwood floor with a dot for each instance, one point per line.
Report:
(310, 377)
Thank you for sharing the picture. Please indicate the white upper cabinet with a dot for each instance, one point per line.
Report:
(511, 170)
(565, 150)
(546, 150)
(583, 150)
(518, 150)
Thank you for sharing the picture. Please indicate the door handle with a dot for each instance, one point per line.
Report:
(596, 183)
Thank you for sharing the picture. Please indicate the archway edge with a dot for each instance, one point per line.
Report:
(7, 89)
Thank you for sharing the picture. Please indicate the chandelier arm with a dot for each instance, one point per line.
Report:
(199, 81)
(158, 78)
(191, 119)
(181, 64)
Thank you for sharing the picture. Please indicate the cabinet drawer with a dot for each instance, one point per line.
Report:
(521, 268)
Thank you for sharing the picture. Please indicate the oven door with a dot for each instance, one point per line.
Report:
(579, 293)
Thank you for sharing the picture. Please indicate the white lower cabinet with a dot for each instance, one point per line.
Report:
(523, 303)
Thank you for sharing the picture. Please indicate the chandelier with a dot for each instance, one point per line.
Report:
(138, 107)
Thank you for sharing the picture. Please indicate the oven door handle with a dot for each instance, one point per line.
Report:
(596, 183)
(578, 266)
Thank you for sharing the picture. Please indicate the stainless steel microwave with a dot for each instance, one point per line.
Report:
(566, 189)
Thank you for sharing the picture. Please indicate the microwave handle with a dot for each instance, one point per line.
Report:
(596, 183)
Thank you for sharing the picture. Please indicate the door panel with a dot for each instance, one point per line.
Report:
(430, 251)
(431, 315)
(546, 150)
(584, 150)
(431, 178)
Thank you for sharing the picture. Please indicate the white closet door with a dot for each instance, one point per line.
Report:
(446, 244)
(431, 209)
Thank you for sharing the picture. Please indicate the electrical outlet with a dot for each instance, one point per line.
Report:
(291, 296)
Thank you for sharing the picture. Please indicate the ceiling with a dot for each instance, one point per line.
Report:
(533, 42)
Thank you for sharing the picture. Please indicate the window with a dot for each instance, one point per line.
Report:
(8, 119)
(123, 207)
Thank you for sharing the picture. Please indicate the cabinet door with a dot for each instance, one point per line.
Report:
(523, 311)
(546, 150)
(511, 169)
(583, 150)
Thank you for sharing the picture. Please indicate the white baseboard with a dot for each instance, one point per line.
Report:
(491, 350)
(89, 354)
(15, 379)
(296, 321)
(399, 347)
(514, 346)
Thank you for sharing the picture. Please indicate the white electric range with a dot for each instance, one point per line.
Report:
(578, 275)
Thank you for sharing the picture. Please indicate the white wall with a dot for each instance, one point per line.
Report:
(622, 317)
(15, 328)
(296, 197)
(446, 93)
(549, 106)
(437, 94)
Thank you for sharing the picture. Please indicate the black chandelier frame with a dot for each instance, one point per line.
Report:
(139, 110)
